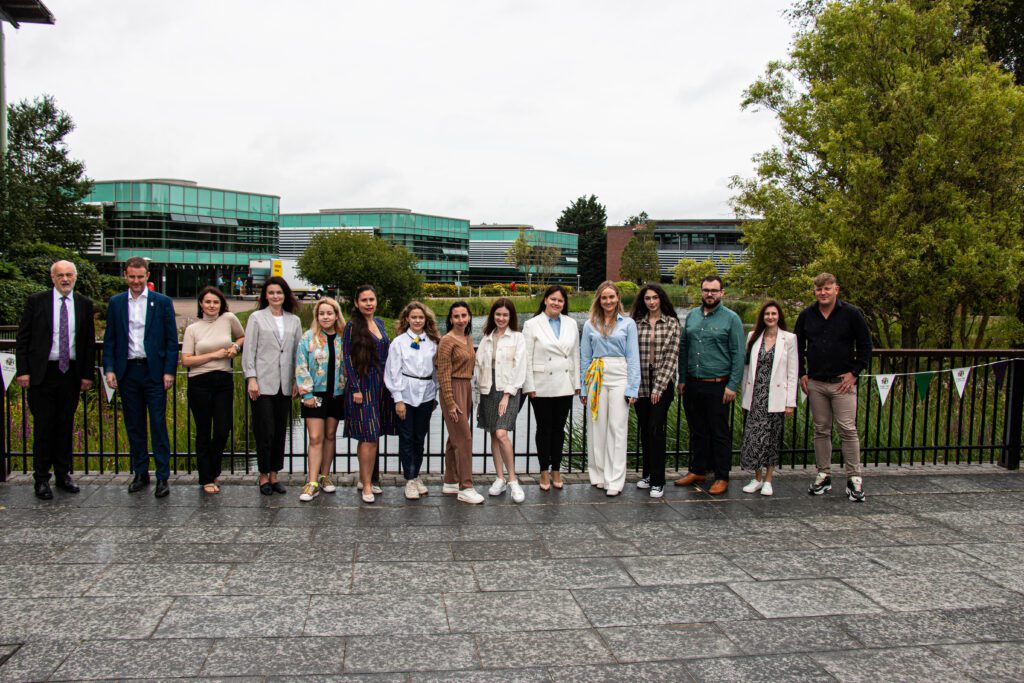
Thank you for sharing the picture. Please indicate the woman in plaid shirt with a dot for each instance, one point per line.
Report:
(658, 332)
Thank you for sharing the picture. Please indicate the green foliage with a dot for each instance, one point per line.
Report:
(13, 294)
(9, 271)
(346, 260)
(439, 289)
(496, 289)
(627, 289)
(42, 188)
(539, 260)
(901, 170)
(1002, 23)
(34, 260)
(640, 257)
(588, 218)
(690, 273)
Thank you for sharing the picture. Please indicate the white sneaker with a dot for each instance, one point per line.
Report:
(374, 488)
(766, 490)
(753, 487)
(518, 496)
(449, 489)
(309, 492)
(497, 488)
(657, 491)
(326, 485)
(368, 497)
(470, 496)
(411, 492)
(644, 483)
(421, 487)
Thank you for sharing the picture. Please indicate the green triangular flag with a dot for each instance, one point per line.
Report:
(923, 379)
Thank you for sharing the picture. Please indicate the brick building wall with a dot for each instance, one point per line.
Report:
(618, 238)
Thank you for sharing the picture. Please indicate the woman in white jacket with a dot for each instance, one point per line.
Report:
(500, 374)
(552, 378)
(769, 394)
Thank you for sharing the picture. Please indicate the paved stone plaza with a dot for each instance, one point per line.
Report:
(924, 582)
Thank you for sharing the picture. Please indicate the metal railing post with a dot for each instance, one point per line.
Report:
(1010, 456)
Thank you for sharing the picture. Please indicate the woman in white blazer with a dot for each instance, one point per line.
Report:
(769, 394)
(552, 378)
(268, 361)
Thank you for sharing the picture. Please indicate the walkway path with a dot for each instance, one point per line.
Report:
(921, 583)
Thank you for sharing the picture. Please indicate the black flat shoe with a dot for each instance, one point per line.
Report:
(138, 483)
(66, 483)
(43, 490)
(279, 487)
(266, 489)
(162, 488)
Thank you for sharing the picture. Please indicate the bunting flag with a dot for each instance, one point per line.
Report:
(803, 396)
(999, 369)
(960, 376)
(884, 383)
(106, 387)
(8, 367)
(923, 379)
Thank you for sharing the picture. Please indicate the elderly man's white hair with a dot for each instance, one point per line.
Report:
(74, 268)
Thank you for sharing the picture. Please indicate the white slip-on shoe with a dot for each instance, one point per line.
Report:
(449, 489)
(518, 495)
(421, 487)
(766, 490)
(498, 487)
(470, 496)
(411, 492)
(753, 487)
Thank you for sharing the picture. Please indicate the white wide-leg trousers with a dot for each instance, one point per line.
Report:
(607, 436)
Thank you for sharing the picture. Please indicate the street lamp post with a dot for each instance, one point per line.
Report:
(577, 282)
(458, 282)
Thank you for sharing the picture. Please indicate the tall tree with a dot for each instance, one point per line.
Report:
(1003, 24)
(900, 169)
(588, 218)
(640, 257)
(521, 254)
(42, 186)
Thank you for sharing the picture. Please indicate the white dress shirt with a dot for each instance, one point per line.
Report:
(55, 345)
(404, 360)
(137, 324)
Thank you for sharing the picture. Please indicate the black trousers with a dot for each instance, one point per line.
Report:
(270, 425)
(708, 417)
(53, 402)
(210, 400)
(651, 421)
(551, 413)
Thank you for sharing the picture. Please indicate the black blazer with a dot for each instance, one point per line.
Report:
(35, 337)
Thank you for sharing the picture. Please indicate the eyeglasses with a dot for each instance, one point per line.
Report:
(711, 291)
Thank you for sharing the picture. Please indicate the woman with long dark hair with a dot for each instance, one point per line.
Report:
(500, 374)
(658, 336)
(552, 378)
(207, 350)
(272, 334)
(369, 410)
(770, 378)
(455, 361)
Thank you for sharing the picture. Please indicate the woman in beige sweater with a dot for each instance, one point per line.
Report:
(455, 362)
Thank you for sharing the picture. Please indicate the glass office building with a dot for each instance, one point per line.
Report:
(194, 235)
(439, 243)
(700, 240)
(488, 250)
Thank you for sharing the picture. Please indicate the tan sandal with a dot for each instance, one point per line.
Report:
(543, 484)
(211, 488)
(556, 480)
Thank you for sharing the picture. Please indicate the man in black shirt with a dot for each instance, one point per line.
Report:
(833, 346)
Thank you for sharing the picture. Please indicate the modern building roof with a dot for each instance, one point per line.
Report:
(18, 12)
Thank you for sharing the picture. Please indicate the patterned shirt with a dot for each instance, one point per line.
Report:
(658, 351)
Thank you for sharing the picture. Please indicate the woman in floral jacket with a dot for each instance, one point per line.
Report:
(320, 377)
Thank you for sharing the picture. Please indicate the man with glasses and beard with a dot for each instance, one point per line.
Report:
(711, 350)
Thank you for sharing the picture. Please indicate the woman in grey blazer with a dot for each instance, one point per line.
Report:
(268, 361)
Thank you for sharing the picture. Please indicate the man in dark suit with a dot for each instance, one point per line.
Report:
(140, 354)
(54, 355)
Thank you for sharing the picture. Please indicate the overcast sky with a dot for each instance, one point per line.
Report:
(493, 111)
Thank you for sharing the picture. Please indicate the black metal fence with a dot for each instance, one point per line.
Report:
(935, 426)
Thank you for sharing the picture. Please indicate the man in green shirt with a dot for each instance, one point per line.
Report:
(710, 370)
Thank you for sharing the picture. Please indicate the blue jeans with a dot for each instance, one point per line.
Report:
(412, 431)
(141, 395)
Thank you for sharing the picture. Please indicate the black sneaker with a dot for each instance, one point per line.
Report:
(822, 484)
(855, 489)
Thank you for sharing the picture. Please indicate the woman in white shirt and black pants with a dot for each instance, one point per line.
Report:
(410, 376)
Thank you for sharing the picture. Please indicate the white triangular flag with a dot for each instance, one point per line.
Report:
(8, 366)
(884, 383)
(960, 376)
(803, 396)
(106, 387)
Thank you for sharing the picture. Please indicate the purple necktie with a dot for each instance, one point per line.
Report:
(64, 360)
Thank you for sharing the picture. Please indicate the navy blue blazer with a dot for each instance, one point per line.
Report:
(161, 339)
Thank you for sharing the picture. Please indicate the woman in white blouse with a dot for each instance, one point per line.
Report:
(410, 376)
(552, 378)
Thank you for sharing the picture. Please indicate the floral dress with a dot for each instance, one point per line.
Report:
(375, 416)
(762, 435)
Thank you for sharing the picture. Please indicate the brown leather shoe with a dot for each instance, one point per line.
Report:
(719, 487)
(690, 479)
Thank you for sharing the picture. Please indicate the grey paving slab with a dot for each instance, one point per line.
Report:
(498, 550)
(339, 678)
(513, 575)
(516, 675)
(403, 552)
(103, 659)
(572, 514)
(275, 656)
(673, 570)
(928, 536)
(30, 553)
(335, 552)
(233, 617)
(198, 534)
(157, 553)
(387, 614)
(1002, 662)
(900, 629)
(48, 535)
(890, 664)
(801, 634)
(296, 579)
(803, 598)
(35, 660)
(642, 605)
(48, 580)
(274, 535)
(489, 532)
(648, 672)
(349, 534)
(160, 516)
(422, 653)
(541, 610)
(1012, 579)
(926, 559)
(559, 533)
(68, 618)
(232, 517)
(910, 593)
(788, 667)
(486, 515)
(123, 534)
(159, 579)
(641, 513)
(668, 641)
(412, 577)
(542, 648)
(988, 624)
(598, 547)
(1001, 555)
(802, 564)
